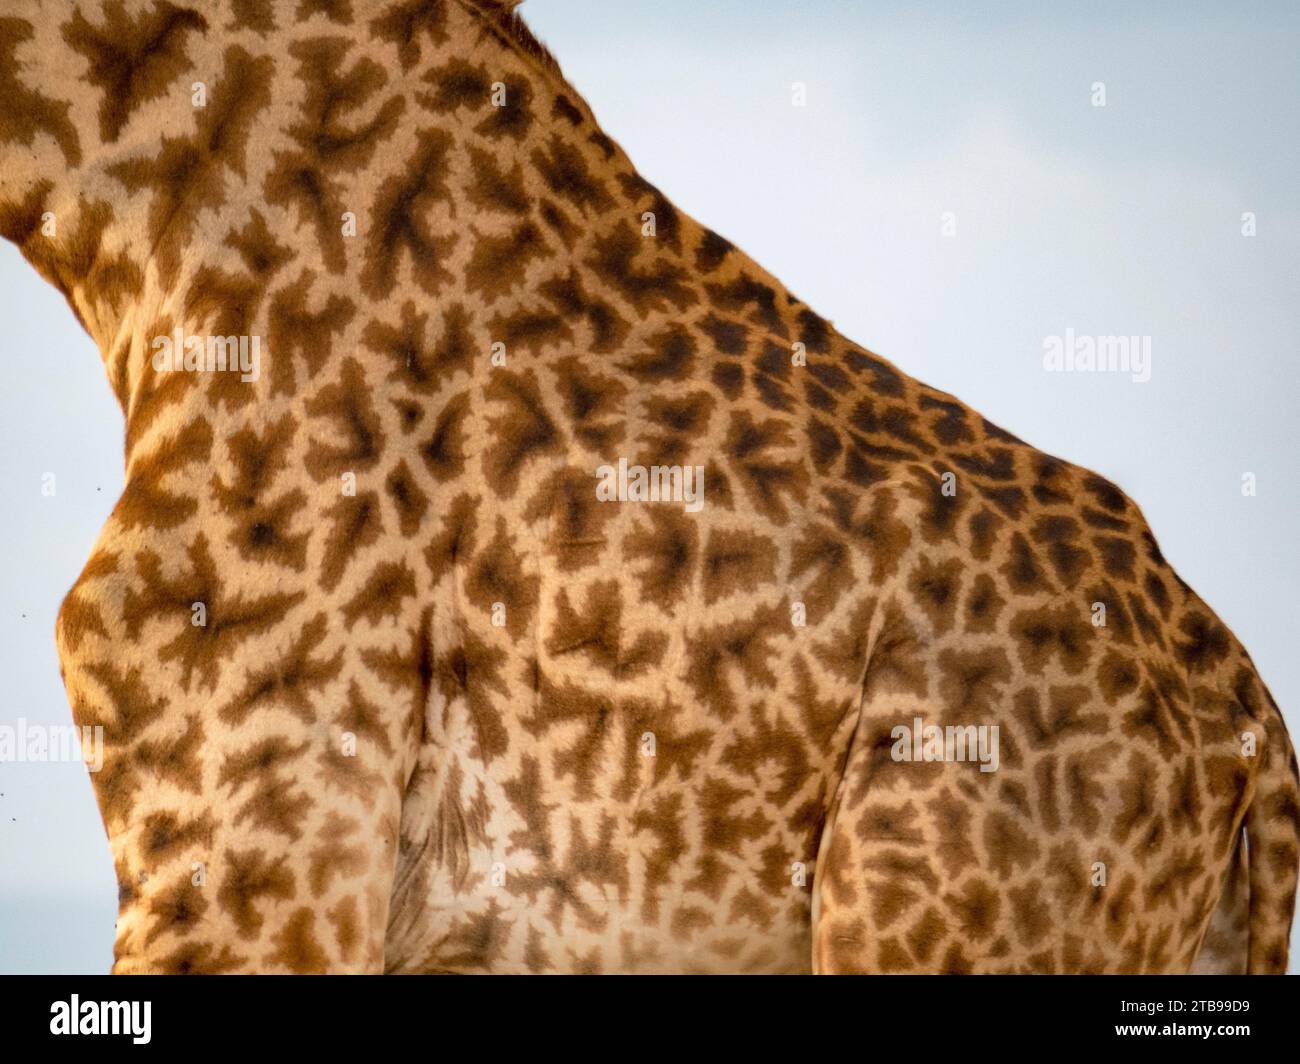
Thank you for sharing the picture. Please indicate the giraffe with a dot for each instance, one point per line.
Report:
(511, 575)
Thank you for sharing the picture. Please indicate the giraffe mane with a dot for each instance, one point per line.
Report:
(504, 16)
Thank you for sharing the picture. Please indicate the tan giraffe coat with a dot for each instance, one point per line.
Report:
(388, 685)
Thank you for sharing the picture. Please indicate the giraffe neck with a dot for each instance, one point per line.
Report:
(161, 162)
(272, 178)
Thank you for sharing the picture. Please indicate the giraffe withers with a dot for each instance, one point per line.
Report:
(387, 686)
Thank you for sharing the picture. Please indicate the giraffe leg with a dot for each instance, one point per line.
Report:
(1272, 835)
(898, 886)
(1224, 949)
(256, 741)
(1039, 865)
(1250, 930)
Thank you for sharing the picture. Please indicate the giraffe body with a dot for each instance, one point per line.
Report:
(388, 680)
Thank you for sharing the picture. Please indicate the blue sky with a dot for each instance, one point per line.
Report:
(1118, 220)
